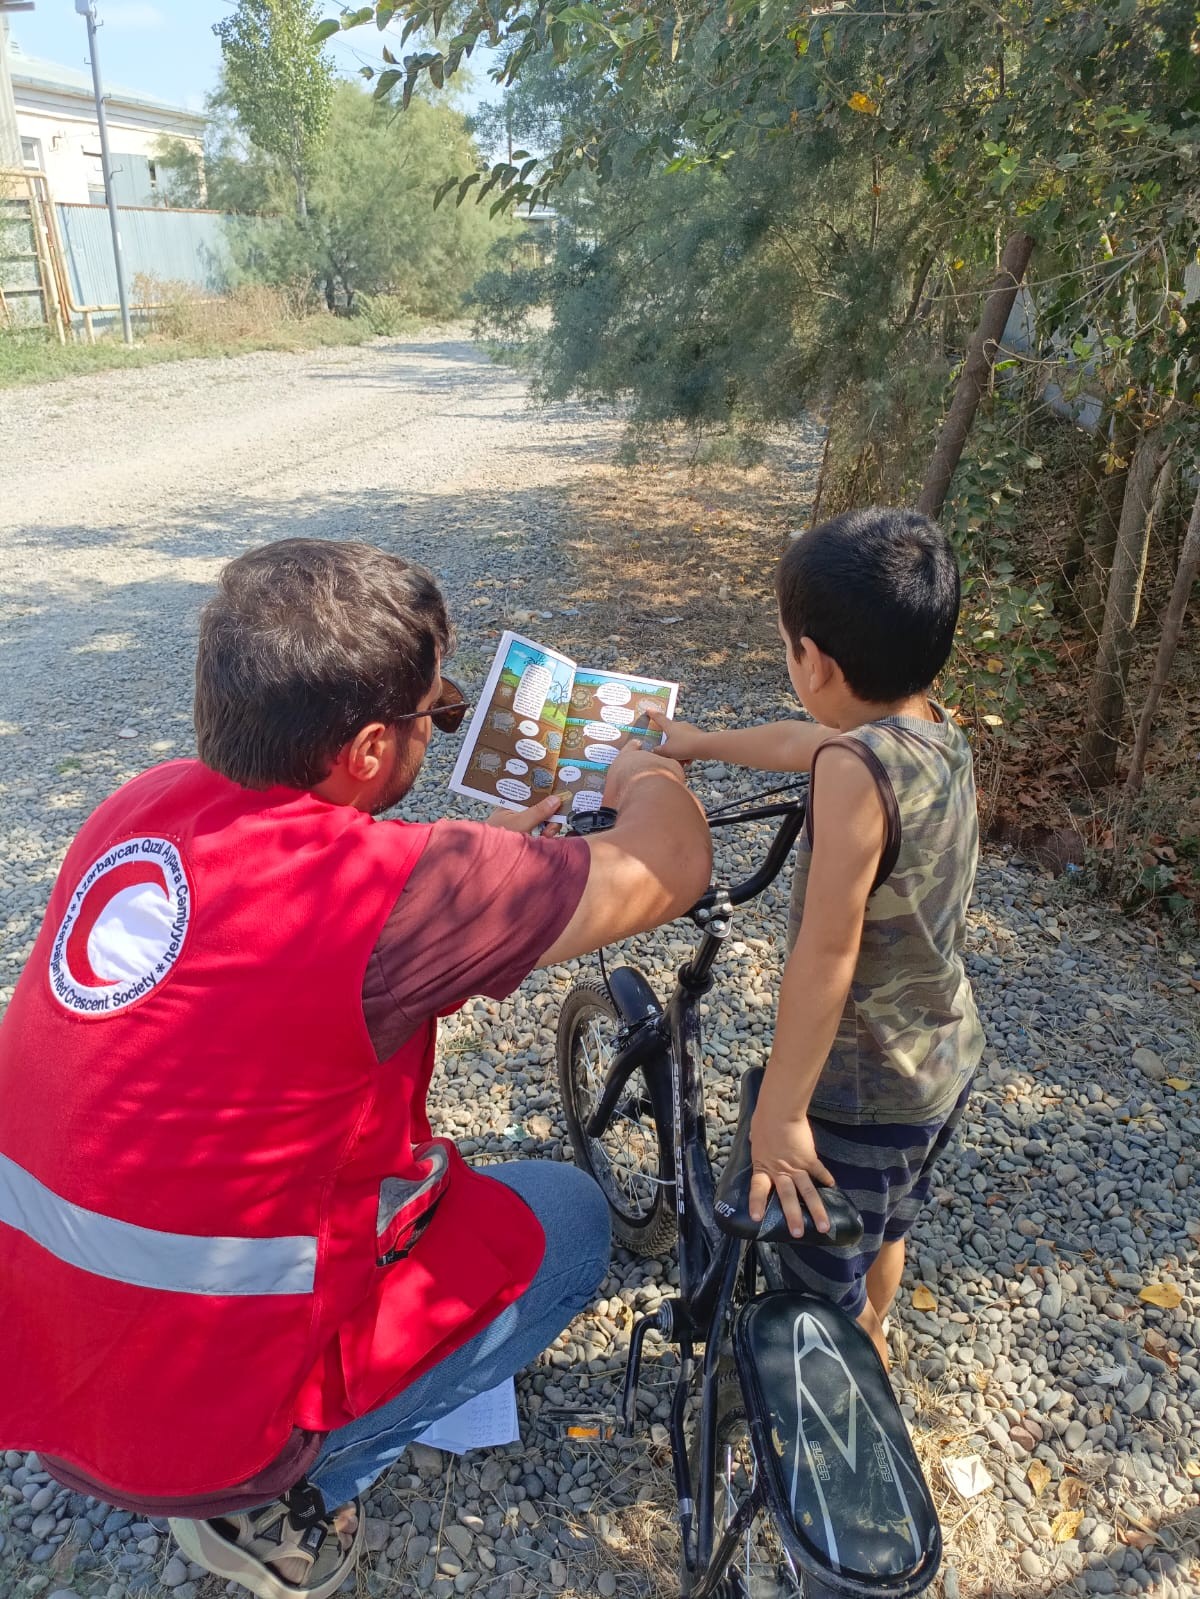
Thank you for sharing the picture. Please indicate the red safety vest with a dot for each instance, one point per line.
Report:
(217, 1220)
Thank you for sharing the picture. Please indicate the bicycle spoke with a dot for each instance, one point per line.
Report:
(626, 1153)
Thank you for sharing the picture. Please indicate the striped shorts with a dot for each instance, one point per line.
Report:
(885, 1169)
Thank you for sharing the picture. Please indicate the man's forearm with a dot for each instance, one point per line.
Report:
(774, 747)
(662, 823)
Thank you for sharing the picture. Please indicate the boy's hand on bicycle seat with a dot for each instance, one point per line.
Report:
(785, 1158)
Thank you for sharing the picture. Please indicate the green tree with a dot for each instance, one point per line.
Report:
(370, 229)
(280, 81)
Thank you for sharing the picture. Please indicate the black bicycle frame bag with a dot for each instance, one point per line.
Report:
(841, 1477)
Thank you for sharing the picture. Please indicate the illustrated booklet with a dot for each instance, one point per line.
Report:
(545, 725)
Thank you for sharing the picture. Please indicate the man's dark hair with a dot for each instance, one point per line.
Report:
(305, 642)
(878, 591)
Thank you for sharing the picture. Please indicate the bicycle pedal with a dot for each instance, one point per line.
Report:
(579, 1426)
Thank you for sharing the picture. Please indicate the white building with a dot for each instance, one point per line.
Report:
(56, 122)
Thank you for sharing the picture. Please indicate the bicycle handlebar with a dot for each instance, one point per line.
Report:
(793, 812)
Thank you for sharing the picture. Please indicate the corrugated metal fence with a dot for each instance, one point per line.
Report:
(167, 245)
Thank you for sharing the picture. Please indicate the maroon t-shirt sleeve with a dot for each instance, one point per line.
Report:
(480, 908)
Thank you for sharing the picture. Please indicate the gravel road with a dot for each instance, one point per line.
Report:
(1074, 1182)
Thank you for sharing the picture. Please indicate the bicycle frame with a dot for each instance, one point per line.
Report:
(668, 1041)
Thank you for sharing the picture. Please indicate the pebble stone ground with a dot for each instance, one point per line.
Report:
(1073, 1183)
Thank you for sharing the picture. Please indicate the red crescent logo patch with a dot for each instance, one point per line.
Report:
(124, 929)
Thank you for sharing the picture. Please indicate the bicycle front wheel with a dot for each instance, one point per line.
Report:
(628, 1159)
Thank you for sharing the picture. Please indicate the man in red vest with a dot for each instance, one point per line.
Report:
(240, 1272)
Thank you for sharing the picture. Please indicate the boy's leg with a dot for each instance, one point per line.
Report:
(883, 1278)
(872, 1325)
(575, 1220)
(885, 1170)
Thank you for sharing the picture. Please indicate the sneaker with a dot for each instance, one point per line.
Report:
(268, 1553)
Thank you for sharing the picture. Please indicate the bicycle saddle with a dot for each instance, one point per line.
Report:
(732, 1201)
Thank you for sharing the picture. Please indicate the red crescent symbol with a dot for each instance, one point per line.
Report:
(94, 906)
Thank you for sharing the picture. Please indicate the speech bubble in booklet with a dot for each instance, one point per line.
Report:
(545, 725)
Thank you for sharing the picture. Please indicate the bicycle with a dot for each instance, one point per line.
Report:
(794, 1472)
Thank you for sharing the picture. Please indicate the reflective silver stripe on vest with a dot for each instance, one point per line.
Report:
(176, 1263)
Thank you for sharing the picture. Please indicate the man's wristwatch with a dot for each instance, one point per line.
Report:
(597, 821)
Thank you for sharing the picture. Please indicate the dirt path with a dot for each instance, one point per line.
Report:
(121, 495)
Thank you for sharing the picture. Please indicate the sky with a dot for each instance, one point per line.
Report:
(167, 49)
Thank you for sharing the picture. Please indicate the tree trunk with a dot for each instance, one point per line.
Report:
(1100, 547)
(1185, 581)
(1107, 698)
(816, 504)
(977, 369)
(924, 268)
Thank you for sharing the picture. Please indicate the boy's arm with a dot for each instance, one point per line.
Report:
(774, 747)
(848, 837)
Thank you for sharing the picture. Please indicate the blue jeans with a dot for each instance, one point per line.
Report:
(574, 1218)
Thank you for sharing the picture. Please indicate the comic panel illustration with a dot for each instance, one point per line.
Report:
(604, 710)
(516, 734)
(581, 784)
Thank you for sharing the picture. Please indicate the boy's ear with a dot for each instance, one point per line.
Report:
(822, 668)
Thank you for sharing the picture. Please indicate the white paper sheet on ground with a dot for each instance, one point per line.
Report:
(484, 1422)
(969, 1475)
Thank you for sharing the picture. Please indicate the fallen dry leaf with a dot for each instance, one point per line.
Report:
(1037, 1475)
(1135, 1539)
(1165, 1295)
(1155, 1344)
(1180, 1084)
(1071, 1492)
(1065, 1525)
(923, 1300)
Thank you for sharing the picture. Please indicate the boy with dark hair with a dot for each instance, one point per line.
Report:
(877, 1035)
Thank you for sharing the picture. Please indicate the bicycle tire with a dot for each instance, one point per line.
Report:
(645, 1226)
(769, 1577)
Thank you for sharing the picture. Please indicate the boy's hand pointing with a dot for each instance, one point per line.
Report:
(683, 741)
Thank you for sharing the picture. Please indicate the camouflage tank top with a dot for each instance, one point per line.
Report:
(910, 1036)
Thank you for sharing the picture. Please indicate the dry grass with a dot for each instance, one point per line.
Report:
(972, 1531)
(251, 316)
(186, 326)
(700, 543)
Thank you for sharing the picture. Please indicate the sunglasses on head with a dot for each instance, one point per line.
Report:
(447, 715)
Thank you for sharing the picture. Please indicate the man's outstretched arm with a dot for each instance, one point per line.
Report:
(653, 864)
